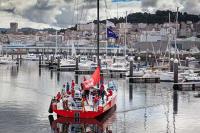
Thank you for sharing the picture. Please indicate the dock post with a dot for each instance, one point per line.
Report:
(114, 60)
(51, 63)
(20, 56)
(40, 61)
(58, 64)
(171, 65)
(12, 56)
(76, 68)
(79, 58)
(187, 62)
(149, 60)
(130, 92)
(138, 67)
(175, 74)
(39, 72)
(42, 57)
(77, 61)
(17, 58)
(126, 57)
(104, 56)
(131, 67)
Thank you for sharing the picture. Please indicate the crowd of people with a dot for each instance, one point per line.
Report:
(87, 97)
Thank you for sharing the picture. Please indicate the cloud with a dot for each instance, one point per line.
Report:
(63, 13)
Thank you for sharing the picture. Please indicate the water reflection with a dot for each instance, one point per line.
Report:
(14, 70)
(175, 102)
(130, 92)
(58, 76)
(76, 125)
(51, 74)
(39, 72)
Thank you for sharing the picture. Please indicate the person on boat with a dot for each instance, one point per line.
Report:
(110, 93)
(102, 92)
(58, 96)
(73, 84)
(83, 100)
(67, 86)
(65, 103)
(84, 78)
(96, 102)
(72, 92)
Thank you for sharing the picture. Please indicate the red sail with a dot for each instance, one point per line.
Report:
(94, 80)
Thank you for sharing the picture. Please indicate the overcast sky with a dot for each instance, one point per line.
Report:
(63, 13)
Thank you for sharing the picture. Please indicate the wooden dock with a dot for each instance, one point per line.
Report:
(144, 80)
(187, 86)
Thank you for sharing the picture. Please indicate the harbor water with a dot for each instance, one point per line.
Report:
(26, 91)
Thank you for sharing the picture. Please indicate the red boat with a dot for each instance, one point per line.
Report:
(76, 108)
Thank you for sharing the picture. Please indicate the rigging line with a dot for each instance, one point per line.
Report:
(108, 14)
(74, 8)
(82, 11)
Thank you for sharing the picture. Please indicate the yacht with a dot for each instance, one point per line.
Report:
(32, 57)
(7, 60)
(69, 62)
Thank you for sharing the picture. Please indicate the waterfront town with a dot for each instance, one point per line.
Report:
(139, 35)
(132, 73)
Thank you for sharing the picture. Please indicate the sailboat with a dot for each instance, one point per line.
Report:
(70, 61)
(87, 101)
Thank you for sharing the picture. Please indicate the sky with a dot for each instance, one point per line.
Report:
(65, 13)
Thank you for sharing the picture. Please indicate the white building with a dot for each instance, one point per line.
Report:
(86, 27)
(150, 36)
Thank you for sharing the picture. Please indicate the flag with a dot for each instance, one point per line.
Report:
(111, 33)
(109, 24)
(124, 0)
(94, 80)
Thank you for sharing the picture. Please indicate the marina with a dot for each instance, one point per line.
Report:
(90, 68)
(140, 107)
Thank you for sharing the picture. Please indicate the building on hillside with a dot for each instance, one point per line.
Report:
(13, 27)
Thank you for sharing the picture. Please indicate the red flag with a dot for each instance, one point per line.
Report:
(94, 80)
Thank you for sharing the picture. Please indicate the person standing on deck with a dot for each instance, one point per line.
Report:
(96, 102)
(83, 100)
(102, 92)
(110, 93)
(84, 78)
(58, 97)
(67, 86)
(72, 92)
(73, 84)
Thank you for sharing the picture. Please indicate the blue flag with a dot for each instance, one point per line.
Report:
(111, 34)
(124, 0)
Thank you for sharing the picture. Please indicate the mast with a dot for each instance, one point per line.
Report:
(98, 33)
(56, 43)
(125, 38)
(176, 32)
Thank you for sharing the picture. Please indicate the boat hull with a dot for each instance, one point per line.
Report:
(87, 114)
